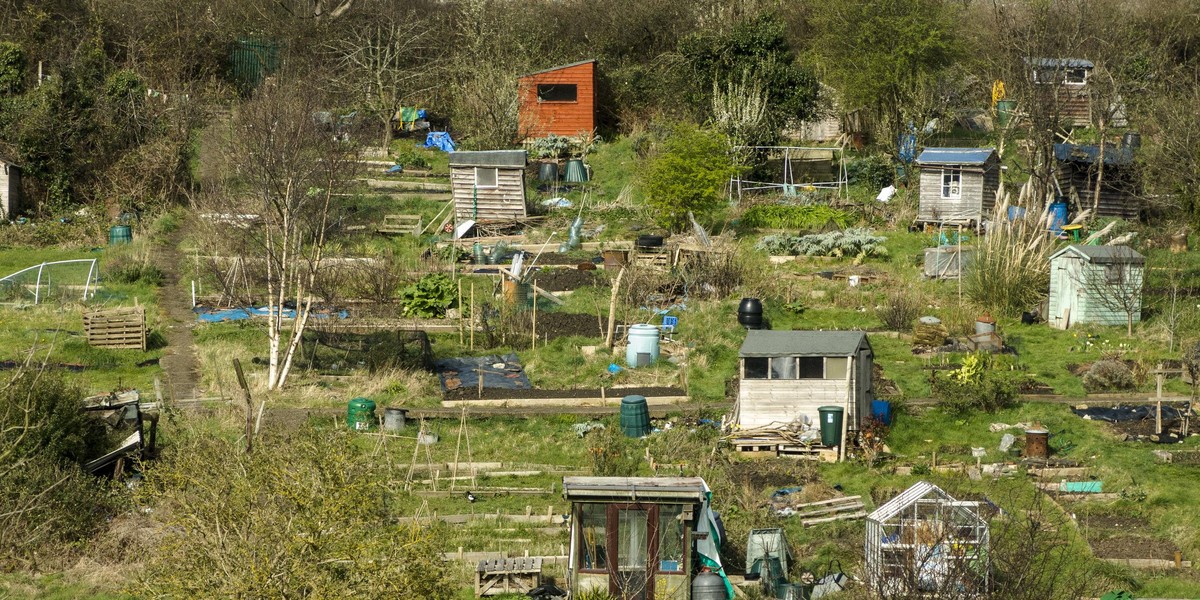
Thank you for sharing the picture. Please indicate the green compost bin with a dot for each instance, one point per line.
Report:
(831, 425)
(635, 416)
(120, 234)
(360, 414)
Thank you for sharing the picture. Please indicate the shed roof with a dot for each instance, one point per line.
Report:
(515, 159)
(634, 488)
(1065, 63)
(559, 68)
(4, 158)
(919, 491)
(1104, 254)
(955, 156)
(801, 343)
(1088, 154)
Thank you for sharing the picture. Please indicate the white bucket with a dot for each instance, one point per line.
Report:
(854, 280)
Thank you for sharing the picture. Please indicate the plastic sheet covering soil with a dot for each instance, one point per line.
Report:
(1121, 414)
(498, 372)
(216, 315)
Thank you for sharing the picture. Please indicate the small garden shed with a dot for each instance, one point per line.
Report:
(640, 538)
(924, 542)
(958, 185)
(785, 376)
(1095, 284)
(1077, 167)
(1068, 78)
(10, 189)
(488, 185)
(559, 101)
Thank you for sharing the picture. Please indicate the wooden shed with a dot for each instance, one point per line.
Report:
(958, 185)
(560, 101)
(10, 189)
(1077, 166)
(1067, 78)
(786, 375)
(488, 185)
(1095, 284)
(640, 537)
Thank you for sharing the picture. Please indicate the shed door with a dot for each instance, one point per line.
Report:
(632, 573)
(1069, 288)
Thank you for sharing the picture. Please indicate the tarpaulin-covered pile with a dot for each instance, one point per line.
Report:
(502, 372)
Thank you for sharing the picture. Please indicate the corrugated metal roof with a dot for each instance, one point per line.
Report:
(1065, 63)
(801, 343)
(1104, 254)
(634, 488)
(1087, 154)
(559, 68)
(489, 158)
(955, 156)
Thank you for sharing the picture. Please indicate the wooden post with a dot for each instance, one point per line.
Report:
(1158, 380)
(850, 364)
(461, 314)
(237, 369)
(612, 310)
(533, 341)
(479, 390)
(474, 316)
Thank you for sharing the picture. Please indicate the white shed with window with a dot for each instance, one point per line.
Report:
(1095, 284)
(785, 376)
(488, 185)
(958, 185)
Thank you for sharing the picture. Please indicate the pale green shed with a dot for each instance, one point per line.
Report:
(1095, 284)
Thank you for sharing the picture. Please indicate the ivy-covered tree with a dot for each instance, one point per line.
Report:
(688, 175)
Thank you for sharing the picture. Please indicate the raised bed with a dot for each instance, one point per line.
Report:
(575, 397)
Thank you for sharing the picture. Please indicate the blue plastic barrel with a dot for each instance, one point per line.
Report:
(882, 411)
(1058, 216)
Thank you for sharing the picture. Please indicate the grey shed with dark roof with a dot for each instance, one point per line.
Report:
(488, 185)
(786, 376)
(957, 185)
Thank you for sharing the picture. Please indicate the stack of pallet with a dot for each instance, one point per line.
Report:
(120, 328)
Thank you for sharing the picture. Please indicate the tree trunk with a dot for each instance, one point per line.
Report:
(1099, 172)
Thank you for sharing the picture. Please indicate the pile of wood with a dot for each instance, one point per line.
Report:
(930, 336)
(504, 576)
(824, 511)
(120, 328)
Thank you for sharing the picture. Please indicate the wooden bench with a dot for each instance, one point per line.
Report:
(507, 576)
(400, 225)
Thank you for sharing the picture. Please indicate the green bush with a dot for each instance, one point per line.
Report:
(1106, 375)
(688, 175)
(783, 216)
(429, 297)
(875, 171)
(410, 157)
(976, 386)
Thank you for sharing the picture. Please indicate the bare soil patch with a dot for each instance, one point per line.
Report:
(564, 279)
(504, 394)
(1130, 546)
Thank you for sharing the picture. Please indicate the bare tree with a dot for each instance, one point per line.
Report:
(1116, 284)
(287, 169)
(381, 65)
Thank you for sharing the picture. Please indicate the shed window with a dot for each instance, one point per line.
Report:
(783, 367)
(835, 367)
(593, 543)
(812, 367)
(485, 177)
(557, 92)
(1077, 76)
(1114, 274)
(670, 538)
(952, 183)
(755, 368)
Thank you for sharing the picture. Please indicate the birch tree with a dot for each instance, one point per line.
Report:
(287, 170)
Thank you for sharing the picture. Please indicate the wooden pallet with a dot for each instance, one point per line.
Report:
(400, 225)
(655, 258)
(119, 328)
(498, 576)
(836, 509)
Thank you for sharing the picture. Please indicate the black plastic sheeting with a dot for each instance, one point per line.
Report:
(1122, 414)
(504, 372)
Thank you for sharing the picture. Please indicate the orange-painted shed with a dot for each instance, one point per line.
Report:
(560, 101)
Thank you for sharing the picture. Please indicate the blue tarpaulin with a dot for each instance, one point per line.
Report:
(241, 313)
(440, 140)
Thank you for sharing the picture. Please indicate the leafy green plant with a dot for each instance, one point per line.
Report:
(551, 146)
(429, 297)
(875, 171)
(854, 242)
(411, 158)
(688, 175)
(784, 216)
(975, 385)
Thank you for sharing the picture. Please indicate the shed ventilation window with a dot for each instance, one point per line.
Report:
(836, 367)
(755, 367)
(783, 367)
(812, 367)
(485, 177)
(952, 183)
(557, 92)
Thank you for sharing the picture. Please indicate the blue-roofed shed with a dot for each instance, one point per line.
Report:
(1079, 164)
(958, 185)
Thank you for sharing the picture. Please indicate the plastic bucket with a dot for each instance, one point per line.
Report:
(394, 419)
(642, 349)
(548, 171)
(576, 172)
(831, 425)
(635, 416)
(120, 234)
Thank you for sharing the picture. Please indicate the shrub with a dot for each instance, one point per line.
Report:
(410, 157)
(611, 453)
(688, 175)
(976, 385)
(876, 171)
(783, 216)
(901, 308)
(1107, 375)
(1009, 273)
(854, 242)
(429, 297)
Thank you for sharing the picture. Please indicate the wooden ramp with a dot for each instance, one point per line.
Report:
(119, 328)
